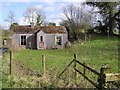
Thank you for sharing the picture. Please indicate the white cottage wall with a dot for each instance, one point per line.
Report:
(41, 33)
(30, 39)
(50, 41)
(16, 41)
(65, 39)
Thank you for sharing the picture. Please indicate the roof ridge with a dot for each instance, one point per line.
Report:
(46, 29)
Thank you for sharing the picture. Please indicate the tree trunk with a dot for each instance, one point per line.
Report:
(111, 23)
(68, 30)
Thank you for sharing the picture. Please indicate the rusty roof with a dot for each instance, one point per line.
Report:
(28, 29)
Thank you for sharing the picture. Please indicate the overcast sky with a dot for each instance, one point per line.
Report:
(52, 9)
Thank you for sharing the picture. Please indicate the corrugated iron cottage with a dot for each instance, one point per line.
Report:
(39, 37)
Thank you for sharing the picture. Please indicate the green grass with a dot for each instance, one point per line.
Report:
(99, 51)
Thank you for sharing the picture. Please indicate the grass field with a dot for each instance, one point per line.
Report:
(97, 52)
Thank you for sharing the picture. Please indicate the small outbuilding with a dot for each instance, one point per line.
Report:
(39, 37)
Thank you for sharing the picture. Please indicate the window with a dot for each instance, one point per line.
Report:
(4, 42)
(58, 41)
(23, 40)
(41, 38)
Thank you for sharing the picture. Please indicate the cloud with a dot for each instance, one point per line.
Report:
(16, 1)
(53, 17)
(62, 16)
(74, 0)
(57, 18)
(50, 8)
(47, 7)
(55, 7)
(39, 6)
(46, 1)
(6, 25)
(57, 21)
(53, 1)
(22, 21)
(50, 2)
(7, 3)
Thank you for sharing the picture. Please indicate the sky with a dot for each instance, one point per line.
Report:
(52, 9)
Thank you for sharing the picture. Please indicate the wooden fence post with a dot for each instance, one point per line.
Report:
(10, 62)
(75, 73)
(43, 64)
(102, 78)
(103, 71)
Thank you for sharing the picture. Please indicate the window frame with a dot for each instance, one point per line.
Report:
(41, 39)
(23, 41)
(58, 40)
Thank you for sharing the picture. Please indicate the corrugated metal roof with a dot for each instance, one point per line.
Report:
(34, 29)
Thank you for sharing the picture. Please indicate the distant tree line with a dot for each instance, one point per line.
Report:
(81, 22)
(110, 20)
(77, 21)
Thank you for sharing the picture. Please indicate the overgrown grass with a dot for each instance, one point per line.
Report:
(95, 53)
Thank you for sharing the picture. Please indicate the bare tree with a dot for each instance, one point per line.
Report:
(34, 15)
(11, 17)
(77, 19)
